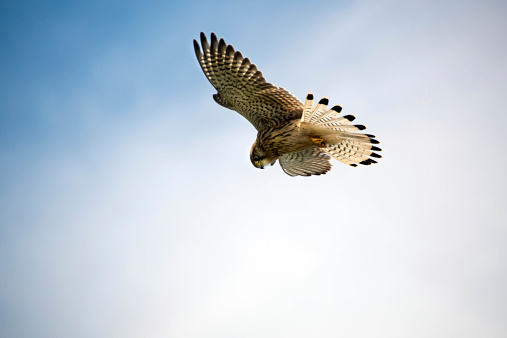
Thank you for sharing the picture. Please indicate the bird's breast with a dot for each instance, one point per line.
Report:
(284, 139)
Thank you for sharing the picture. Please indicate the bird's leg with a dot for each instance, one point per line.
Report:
(319, 141)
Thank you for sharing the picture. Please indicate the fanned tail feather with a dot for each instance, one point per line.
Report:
(352, 152)
(346, 146)
(319, 110)
(307, 108)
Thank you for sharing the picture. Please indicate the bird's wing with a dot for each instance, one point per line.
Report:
(243, 88)
(306, 162)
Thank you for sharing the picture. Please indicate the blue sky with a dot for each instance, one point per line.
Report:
(129, 206)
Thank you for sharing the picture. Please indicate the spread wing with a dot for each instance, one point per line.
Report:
(243, 88)
(306, 162)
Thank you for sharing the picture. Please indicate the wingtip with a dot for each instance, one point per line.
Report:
(213, 38)
(230, 50)
(309, 96)
(197, 48)
(238, 55)
(222, 46)
(204, 42)
(214, 42)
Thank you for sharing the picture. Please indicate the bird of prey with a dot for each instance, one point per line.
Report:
(303, 138)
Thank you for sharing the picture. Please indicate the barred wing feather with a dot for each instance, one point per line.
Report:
(242, 87)
(306, 162)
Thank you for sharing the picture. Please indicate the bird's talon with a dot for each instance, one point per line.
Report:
(319, 141)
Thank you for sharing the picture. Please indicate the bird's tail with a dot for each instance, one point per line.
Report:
(340, 139)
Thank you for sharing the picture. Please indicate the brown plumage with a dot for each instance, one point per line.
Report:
(300, 136)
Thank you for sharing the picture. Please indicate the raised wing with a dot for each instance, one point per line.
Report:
(306, 162)
(243, 88)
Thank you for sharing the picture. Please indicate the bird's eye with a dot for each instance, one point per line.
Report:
(256, 158)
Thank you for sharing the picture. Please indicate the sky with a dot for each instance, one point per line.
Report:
(129, 206)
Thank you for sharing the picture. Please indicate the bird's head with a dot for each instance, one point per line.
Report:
(258, 157)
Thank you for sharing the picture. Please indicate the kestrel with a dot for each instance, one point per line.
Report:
(301, 137)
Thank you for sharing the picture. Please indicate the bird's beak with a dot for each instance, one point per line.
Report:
(261, 166)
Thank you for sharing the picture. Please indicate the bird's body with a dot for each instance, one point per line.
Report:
(292, 136)
(273, 142)
(300, 136)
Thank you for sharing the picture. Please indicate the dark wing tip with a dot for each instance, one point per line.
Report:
(230, 50)
(375, 155)
(376, 148)
(204, 42)
(373, 141)
(214, 42)
(238, 55)
(197, 49)
(350, 117)
(309, 96)
(337, 108)
(222, 46)
(360, 127)
(353, 165)
(324, 101)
